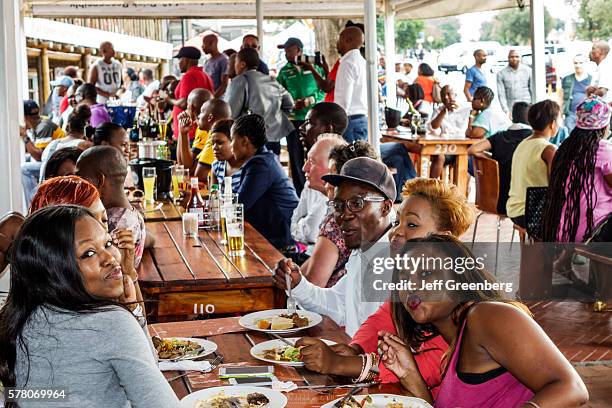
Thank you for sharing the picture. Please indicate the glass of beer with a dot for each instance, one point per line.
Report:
(176, 176)
(235, 230)
(183, 179)
(149, 177)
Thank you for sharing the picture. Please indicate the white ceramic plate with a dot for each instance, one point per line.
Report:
(381, 401)
(250, 320)
(209, 347)
(277, 400)
(258, 350)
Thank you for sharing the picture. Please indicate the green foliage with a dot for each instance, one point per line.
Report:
(595, 20)
(511, 27)
(406, 33)
(449, 34)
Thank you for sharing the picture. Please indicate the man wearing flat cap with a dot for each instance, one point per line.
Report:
(363, 208)
(193, 77)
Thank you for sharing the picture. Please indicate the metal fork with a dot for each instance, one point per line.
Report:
(213, 364)
(291, 303)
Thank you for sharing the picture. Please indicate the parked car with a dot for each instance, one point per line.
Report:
(460, 56)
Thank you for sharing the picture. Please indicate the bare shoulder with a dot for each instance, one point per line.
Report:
(485, 316)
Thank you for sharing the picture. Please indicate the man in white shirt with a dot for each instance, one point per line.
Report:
(363, 206)
(450, 119)
(312, 208)
(151, 85)
(106, 73)
(351, 84)
(602, 78)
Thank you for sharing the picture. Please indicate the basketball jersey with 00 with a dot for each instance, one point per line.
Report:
(109, 78)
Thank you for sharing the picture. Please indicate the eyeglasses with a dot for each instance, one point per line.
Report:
(354, 204)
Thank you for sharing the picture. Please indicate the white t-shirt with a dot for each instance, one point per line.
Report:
(109, 77)
(148, 91)
(603, 77)
(454, 123)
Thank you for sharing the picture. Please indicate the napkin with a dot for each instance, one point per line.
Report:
(285, 386)
(185, 365)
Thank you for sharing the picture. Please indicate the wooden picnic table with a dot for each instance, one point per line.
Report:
(435, 145)
(234, 344)
(182, 278)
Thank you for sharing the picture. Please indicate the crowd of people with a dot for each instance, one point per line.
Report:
(77, 251)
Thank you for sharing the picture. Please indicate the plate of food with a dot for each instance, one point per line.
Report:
(278, 352)
(242, 396)
(184, 348)
(279, 321)
(379, 401)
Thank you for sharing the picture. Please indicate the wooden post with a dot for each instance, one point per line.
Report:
(85, 64)
(46, 78)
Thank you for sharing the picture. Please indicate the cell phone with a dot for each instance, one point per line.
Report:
(253, 381)
(246, 371)
(163, 94)
(318, 57)
(298, 59)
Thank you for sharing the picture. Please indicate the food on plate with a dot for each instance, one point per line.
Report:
(173, 348)
(366, 402)
(221, 400)
(264, 324)
(283, 322)
(286, 353)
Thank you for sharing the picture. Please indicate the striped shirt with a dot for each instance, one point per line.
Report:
(218, 168)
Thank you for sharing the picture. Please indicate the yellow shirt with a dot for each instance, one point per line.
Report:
(201, 136)
(528, 170)
(207, 156)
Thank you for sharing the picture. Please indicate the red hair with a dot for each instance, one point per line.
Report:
(64, 190)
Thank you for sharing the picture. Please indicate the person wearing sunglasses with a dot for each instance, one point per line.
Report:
(574, 90)
(363, 208)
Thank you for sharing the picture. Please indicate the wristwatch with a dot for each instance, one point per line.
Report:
(26, 140)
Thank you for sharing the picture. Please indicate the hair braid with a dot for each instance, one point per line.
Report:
(573, 171)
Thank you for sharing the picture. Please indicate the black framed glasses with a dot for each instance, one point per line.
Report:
(354, 204)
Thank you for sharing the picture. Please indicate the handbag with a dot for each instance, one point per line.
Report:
(437, 93)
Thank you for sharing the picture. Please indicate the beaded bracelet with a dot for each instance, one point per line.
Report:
(363, 364)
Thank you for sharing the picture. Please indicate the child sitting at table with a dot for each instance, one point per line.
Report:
(105, 168)
(532, 159)
(225, 164)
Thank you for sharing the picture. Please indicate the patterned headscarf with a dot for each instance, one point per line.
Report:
(592, 114)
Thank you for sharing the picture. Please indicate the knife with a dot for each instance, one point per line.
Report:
(352, 392)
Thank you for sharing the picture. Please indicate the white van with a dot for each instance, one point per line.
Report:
(460, 56)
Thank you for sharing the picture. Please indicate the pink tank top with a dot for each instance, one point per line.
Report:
(503, 391)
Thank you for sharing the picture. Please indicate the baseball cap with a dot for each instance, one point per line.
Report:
(292, 41)
(367, 171)
(592, 114)
(30, 107)
(189, 52)
(63, 81)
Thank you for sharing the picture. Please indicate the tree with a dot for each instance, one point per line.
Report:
(511, 27)
(406, 33)
(595, 20)
(447, 33)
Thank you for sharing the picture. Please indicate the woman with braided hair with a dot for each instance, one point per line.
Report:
(580, 190)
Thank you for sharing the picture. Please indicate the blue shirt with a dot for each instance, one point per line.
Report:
(491, 121)
(268, 197)
(476, 77)
(218, 169)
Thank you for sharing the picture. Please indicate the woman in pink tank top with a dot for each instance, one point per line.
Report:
(499, 356)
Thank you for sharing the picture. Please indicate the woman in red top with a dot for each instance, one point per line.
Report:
(427, 81)
(429, 206)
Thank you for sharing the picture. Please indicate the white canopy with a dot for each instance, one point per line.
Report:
(405, 9)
